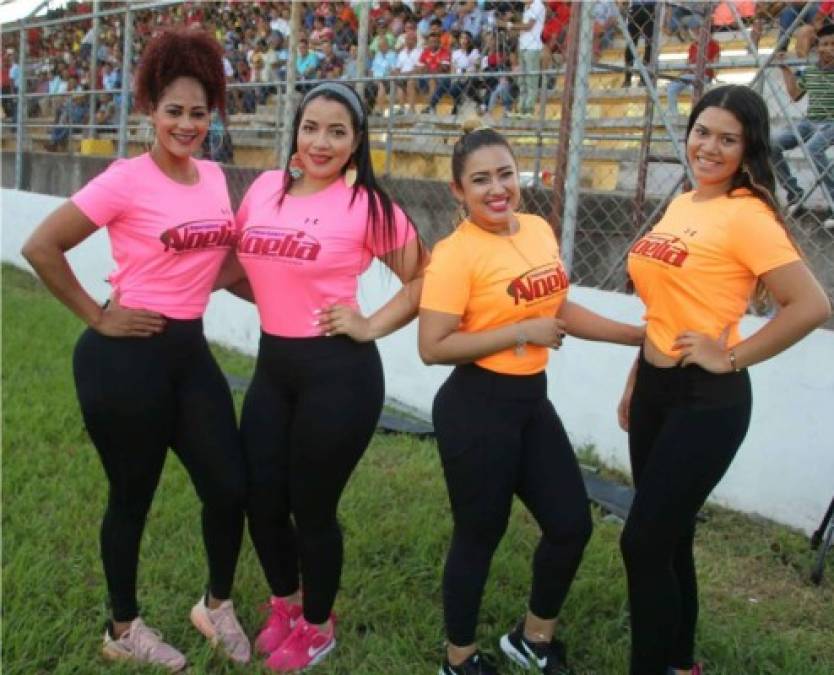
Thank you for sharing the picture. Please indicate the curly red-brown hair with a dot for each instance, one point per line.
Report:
(181, 52)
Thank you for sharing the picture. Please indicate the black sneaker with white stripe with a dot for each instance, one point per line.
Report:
(477, 664)
(549, 658)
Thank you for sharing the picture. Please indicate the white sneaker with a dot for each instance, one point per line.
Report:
(222, 628)
(143, 644)
(828, 223)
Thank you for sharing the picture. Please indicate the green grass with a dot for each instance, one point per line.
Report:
(759, 613)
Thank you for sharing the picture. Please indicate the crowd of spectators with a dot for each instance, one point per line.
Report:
(492, 46)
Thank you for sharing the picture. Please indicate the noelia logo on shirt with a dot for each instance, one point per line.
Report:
(537, 283)
(278, 243)
(198, 235)
(666, 248)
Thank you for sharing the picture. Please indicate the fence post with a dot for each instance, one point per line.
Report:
(704, 37)
(91, 132)
(289, 111)
(537, 162)
(21, 111)
(362, 47)
(577, 131)
(127, 56)
(648, 112)
(560, 169)
(280, 102)
(651, 91)
(389, 135)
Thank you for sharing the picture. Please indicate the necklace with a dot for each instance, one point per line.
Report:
(515, 247)
(520, 348)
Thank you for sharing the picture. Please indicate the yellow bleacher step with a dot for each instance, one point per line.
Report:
(97, 146)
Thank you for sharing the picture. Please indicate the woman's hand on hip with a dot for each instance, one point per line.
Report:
(344, 320)
(702, 350)
(118, 321)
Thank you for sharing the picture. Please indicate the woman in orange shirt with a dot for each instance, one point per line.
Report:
(494, 301)
(687, 402)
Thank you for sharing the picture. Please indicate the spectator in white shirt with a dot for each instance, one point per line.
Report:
(279, 22)
(466, 60)
(57, 86)
(408, 27)
(384, 63)
(530, 52)
(408, 61)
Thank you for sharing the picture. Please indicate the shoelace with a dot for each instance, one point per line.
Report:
(277, 610)
(226, 623)
(145, 640)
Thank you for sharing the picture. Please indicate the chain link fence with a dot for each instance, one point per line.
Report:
(658, 59)
(596, 117)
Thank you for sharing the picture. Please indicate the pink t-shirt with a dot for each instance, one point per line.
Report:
(308, 253)
(168, 239)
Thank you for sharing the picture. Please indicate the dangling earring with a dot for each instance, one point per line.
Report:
(350, 174)
(296, 167)
(462, 214)
(745, 171)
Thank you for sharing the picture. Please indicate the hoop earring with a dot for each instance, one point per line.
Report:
(351, 174)
(296, 167)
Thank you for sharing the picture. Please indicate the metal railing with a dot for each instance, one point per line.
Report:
(599, 160)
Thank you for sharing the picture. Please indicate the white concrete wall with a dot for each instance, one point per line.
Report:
(784, 470)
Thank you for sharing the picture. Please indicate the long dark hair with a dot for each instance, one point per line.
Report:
(381, 219)
(755, 172)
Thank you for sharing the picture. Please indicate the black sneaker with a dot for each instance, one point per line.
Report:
(477, 664)
(550, 658)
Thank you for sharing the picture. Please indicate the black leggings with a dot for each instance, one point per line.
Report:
(308, 417)
(498, 435)
(685, 427)
(140, 396)
(640, 20)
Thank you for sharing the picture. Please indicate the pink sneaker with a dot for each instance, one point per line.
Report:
(279, 624)
(306, 646)
(222, 628)
(144, 644)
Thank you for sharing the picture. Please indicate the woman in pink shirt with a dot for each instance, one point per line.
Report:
(144, 374)
(305, 236)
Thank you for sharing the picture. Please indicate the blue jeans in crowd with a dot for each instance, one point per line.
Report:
(818, 137)
(674, 88)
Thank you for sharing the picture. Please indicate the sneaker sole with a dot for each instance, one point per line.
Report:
(320, 656)
(512, 653)
(114, 654)
(202, 624)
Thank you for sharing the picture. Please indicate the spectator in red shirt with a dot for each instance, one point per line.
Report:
(555, 30)
(6, 84)
(320, 34)
(687, 78)
(435, 60)
(347, 15)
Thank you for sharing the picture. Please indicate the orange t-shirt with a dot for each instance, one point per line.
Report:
(697, 268)
(492, 281)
